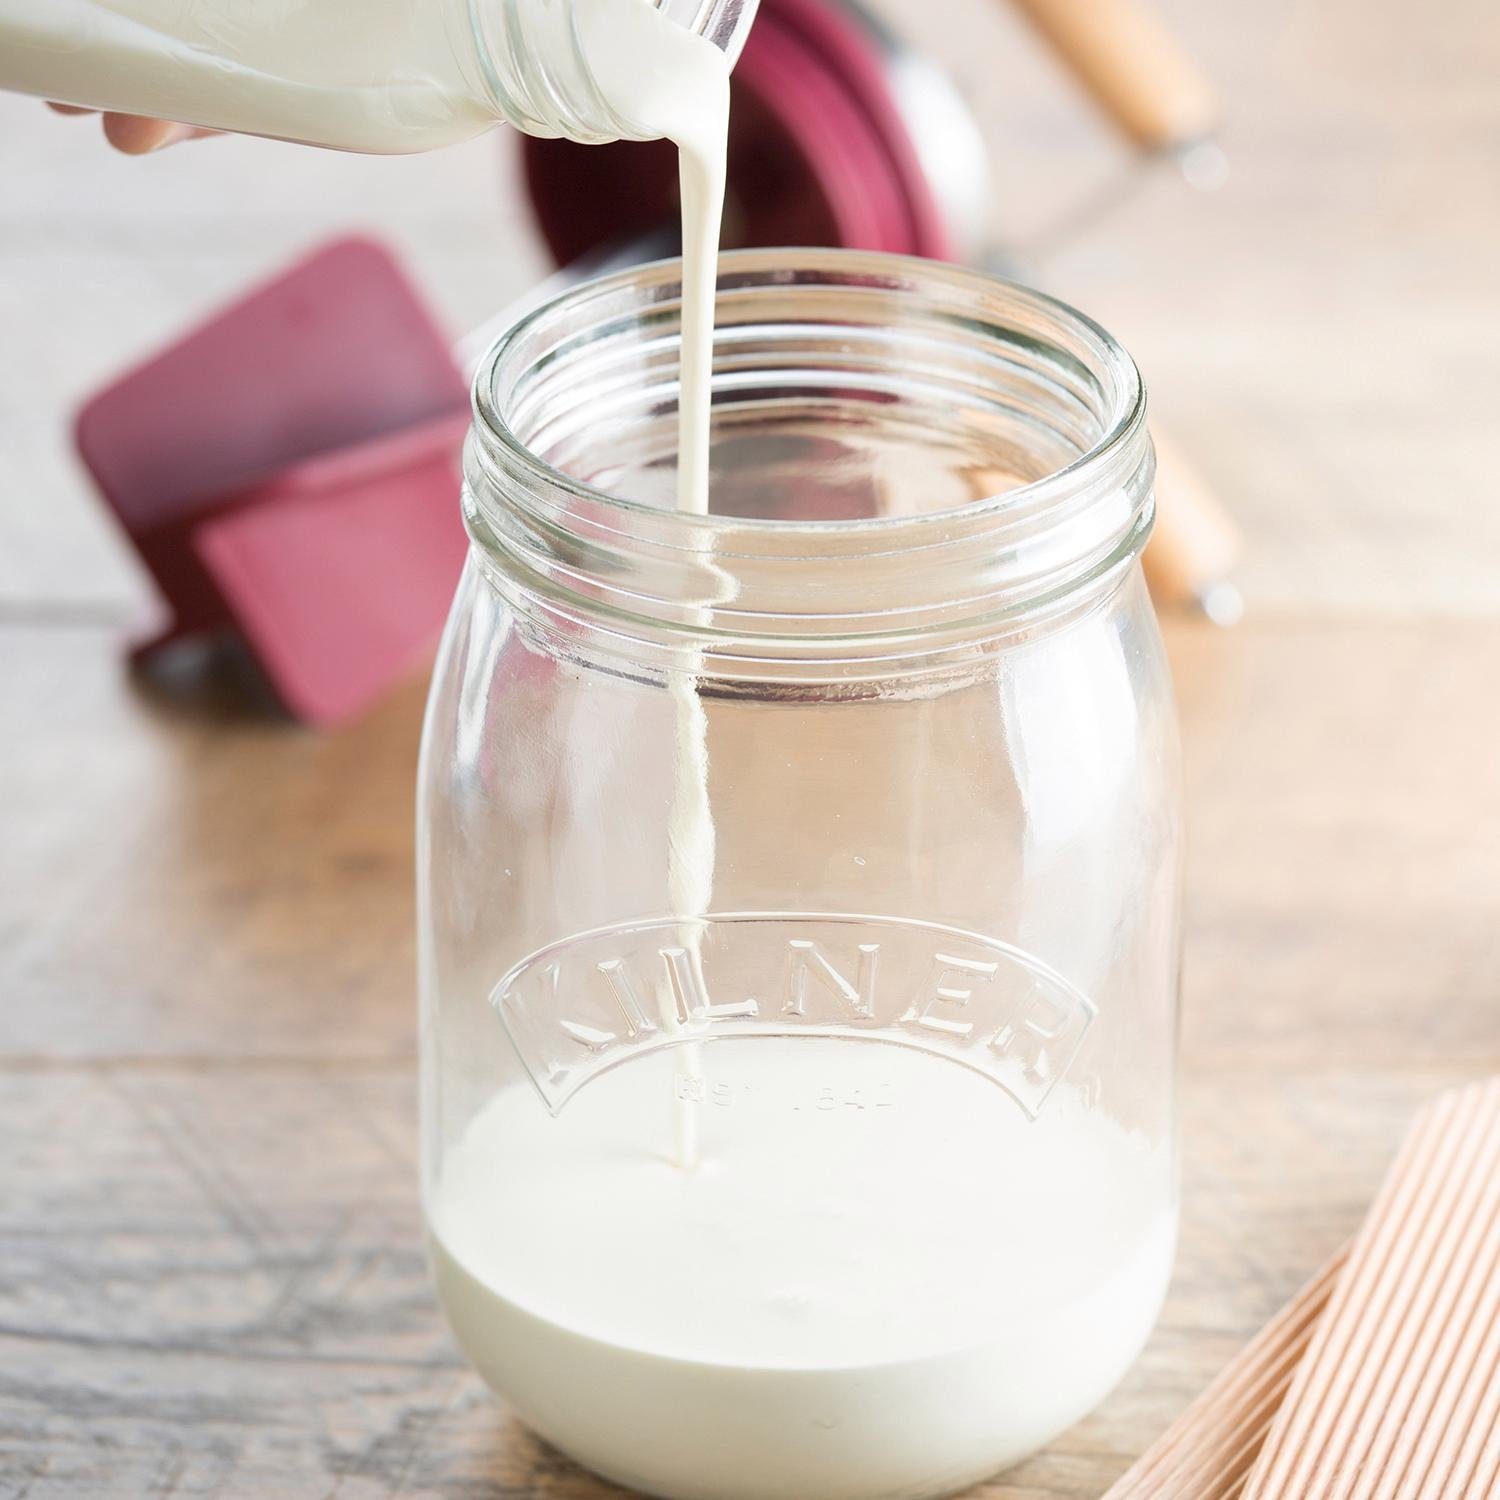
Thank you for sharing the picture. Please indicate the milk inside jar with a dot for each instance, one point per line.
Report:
(852, 1293)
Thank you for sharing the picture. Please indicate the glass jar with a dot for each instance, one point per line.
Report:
(379, 76)
(798, 885)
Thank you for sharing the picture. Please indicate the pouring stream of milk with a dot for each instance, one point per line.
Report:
(671, 82)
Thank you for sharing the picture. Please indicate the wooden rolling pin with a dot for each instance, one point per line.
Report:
(1194, 545)
(1125, 56)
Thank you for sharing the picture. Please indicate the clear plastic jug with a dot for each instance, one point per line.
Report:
(363, 75)
(853, 1175)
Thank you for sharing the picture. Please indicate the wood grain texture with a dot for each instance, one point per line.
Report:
(211, 1274)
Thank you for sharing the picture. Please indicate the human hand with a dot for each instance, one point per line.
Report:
(136, 135)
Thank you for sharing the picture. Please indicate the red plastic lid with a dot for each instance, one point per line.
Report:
(339, 571)
(334, 573)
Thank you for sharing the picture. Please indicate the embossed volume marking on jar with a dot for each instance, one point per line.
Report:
(579, 1007)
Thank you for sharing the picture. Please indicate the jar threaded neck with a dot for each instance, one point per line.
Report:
(911, 456)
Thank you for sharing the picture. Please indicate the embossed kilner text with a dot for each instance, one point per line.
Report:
(580, 1006)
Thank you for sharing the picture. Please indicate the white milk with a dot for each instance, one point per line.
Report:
(881, 1279)
(382, 75)
(670, 82)
(376, 75)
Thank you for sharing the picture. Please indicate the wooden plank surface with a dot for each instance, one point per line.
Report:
(211, 1276)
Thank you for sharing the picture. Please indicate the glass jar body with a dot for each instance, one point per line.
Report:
(386, 76)
(857, 1178)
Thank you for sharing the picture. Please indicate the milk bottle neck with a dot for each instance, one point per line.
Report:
(533, 61)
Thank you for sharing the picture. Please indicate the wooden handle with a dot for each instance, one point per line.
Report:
(1123, 53)
(1194, 544)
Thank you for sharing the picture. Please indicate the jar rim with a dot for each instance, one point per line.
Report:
(1126, 421)
(1016, 378)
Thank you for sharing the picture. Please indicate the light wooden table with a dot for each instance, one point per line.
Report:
(211, 1281)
